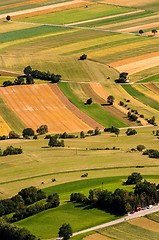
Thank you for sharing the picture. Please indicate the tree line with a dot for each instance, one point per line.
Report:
(30, 75)
(120, 201)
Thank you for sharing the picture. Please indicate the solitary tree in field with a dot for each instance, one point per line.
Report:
(141, 31)
(154, 31)
(65, 231)
(8, 18)
(110, 99)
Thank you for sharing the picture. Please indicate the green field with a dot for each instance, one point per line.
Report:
(78, 217)
(154, 78)
(78, 14)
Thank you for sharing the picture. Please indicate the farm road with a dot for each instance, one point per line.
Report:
(135, 215)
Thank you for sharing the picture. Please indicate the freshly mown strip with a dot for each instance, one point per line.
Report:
(140, 96)
(10, 117)
(94, 110)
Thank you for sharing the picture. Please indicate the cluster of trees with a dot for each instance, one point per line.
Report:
(54, 78)
(154, 31)
(52, 201)
(11, 232)
(152, 153)
(112, 130)
(132, 117)
(20, 80)
(10, 150)
(54, 142)
(134, 178)
(28, 132)
(123, 78)
(90, 132)
(65, 231)
(24, 198)
(130, 131)
(120, 201)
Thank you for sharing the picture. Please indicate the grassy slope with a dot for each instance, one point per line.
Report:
(95, 111)
(78, 217)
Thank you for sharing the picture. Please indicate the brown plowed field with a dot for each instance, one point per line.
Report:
(146, 223)
(134, 3)
(91, 122)
(39, 104)
(97, 236)
(94, 90)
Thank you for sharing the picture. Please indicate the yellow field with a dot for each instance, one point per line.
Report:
(4, 128)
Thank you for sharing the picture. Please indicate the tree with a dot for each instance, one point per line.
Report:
(13, 135)
(54, 142)
(42, 129)
(134, 178)
(110, 99)
(141, 31)
(28, 132)
(130, 131)
(89, 101)
(117, 131)
(65, 231)
(8, 18)
(123, 78)
(83, 57)
(29, 79)
(27, 70)
(154, 31)
(82, 135)
(140, 148)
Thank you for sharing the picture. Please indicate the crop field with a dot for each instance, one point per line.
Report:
(52, 35)
(129, 231)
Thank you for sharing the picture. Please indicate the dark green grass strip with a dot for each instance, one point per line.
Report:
(154, 217)
(11, 118)
(116, 19)
(141, 97)
(154, 78)
(28, 33)
(94, 111)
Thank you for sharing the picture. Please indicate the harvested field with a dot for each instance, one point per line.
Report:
(74, 109)
(145, 223)
(136, 66)
(96, 236)
(153, 88)
(146, 91)
(138, 27)
(4, 128)
(38, 104)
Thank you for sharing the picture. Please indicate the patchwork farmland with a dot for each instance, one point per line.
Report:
(51, 36)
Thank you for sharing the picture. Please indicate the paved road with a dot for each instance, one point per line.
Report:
(131, 216)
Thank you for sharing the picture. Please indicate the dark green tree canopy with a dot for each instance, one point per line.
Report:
(110, 99)
(134, 178)
(65, 231)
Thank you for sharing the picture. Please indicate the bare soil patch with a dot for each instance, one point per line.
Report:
(96, 236)
(145, 223)
(39, 104)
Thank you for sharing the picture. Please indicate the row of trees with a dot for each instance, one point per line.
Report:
(52, 201)
(11, 232)
(54, 78)
(24, 198)
(120, 201)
